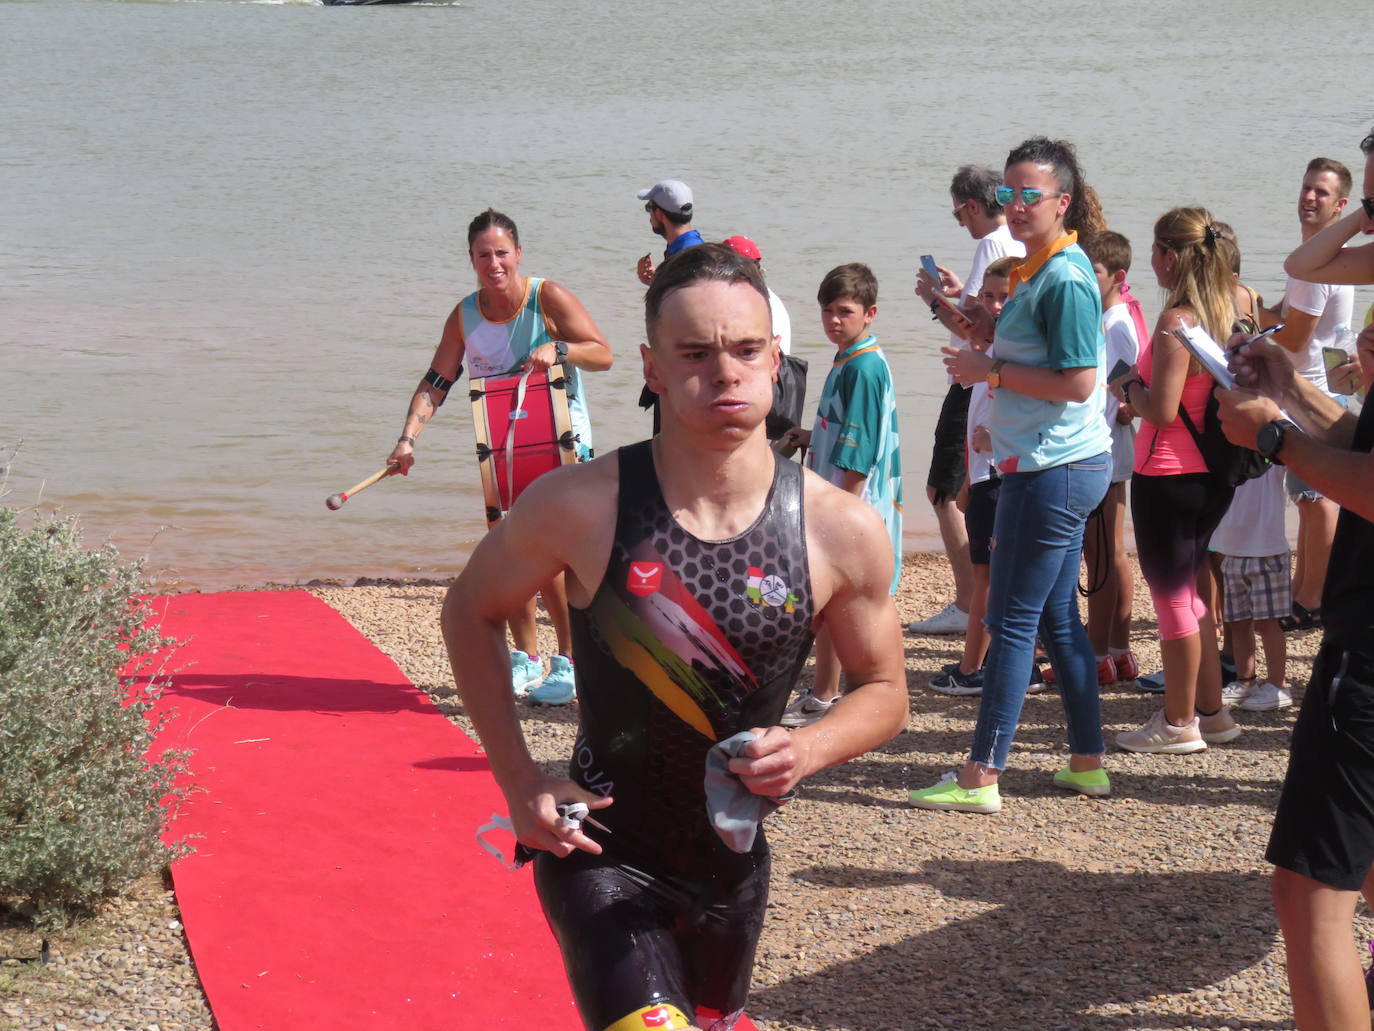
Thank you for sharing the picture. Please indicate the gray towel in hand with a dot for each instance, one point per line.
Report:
(734, 810)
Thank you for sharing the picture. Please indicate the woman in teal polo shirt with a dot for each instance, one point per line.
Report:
(1052, 448)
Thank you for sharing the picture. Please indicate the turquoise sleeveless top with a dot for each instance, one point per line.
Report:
(500, 348)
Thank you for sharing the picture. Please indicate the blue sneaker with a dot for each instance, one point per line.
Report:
(1152, 682)
(525, 673)
(559, 687)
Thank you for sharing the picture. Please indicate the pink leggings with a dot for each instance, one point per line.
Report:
(1174, 517)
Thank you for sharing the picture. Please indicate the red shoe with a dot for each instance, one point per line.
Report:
(1127, 669)
(1106, 672)
(1047, 674)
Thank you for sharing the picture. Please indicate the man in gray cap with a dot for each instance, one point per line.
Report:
(669, 204)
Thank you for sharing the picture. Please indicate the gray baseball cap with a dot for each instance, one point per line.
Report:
(671, 195)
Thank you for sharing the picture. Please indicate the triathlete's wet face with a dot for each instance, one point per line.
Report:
(712, 359)
(495, 258)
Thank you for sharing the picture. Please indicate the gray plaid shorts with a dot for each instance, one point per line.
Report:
(1255, 588)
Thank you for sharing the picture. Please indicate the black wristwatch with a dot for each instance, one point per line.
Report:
(561, 346)
(1269, 440)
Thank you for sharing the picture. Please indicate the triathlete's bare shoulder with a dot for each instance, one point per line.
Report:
(847, 544)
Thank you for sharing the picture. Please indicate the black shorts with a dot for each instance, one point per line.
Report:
(947, 457)
(632, 940)
(1324, 827)
(979, 518)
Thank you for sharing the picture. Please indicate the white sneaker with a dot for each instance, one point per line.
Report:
(1236, 692)
(949, 620)
(1267, 696)
(1160, 737)
(1219, 728)
(806, 710)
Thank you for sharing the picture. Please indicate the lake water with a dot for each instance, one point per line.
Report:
(232, 231)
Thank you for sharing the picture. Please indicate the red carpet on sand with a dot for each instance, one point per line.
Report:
(336, 881)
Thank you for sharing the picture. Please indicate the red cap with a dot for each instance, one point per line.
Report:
(744, 245)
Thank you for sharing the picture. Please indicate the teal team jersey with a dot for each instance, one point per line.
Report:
(1053, 320)
(856, 431)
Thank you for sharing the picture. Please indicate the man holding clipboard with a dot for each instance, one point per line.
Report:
(1322, 845)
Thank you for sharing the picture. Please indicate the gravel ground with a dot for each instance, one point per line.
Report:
(1144, 911)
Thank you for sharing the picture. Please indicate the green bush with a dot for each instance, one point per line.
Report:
(83, 799)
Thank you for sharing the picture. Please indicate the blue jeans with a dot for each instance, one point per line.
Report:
(1037, 543)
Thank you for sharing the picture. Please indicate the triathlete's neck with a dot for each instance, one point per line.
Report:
(715, 493)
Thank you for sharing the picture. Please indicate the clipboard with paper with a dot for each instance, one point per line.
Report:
(1208, 353)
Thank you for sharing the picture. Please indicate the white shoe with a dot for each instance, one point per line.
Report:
(1158, 736)
(806, 710)
(1236, 692)
(1267, 696)
(1219, 728)
(949, 620)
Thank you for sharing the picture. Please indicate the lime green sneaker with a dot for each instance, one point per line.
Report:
(1088, 782)
(947, 795)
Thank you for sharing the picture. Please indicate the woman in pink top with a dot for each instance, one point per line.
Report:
(1175, 502)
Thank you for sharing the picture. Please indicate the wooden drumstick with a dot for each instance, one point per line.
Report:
(335, 501)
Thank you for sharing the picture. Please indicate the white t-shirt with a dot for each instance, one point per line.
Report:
(1253, 526)
(997, 244)
(1119, 329)
(1333, 306)
(980, 463)
(782, 325)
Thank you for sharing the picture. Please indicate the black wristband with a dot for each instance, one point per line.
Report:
(935, 307)
(406, 440)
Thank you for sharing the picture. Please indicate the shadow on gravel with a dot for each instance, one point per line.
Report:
(1057, 945)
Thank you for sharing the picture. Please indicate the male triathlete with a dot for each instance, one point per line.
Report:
(699, 566)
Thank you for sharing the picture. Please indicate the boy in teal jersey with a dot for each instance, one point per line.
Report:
(853, 444)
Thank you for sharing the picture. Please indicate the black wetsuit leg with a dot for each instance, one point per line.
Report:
(631, 939)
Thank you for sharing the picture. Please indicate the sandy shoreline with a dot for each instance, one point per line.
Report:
(1143, 911)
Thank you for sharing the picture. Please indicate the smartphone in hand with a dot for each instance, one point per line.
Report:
(1333, 357)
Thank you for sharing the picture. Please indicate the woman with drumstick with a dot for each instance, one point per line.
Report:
(513, 322)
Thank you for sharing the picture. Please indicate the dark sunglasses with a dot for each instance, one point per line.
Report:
(1368, 204)
(649, 205)
(1029, 197)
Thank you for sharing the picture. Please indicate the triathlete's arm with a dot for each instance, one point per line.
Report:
(850, 555)
(569, 322)
(446, 366)
(563, 522)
